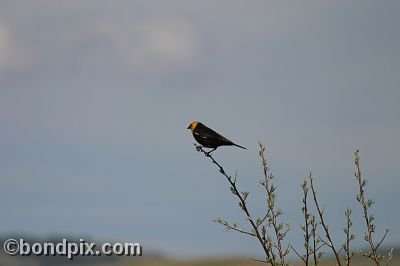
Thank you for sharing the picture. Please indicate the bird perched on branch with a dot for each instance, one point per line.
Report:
(208, 137)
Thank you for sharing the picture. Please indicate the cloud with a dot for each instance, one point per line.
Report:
(12, 56)
(141, 46)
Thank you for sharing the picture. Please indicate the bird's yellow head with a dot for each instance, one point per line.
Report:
(192, 125)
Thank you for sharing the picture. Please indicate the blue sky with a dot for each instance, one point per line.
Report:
(96, 96)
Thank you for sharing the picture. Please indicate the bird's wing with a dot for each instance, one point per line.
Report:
(203, 136)
(208, 133)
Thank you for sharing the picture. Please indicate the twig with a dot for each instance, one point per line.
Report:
(273, 213)
(349, 237)
(329, 243)
(233, 227)
(306, 220)
(366, 204)
(305, 227)
(316, 240)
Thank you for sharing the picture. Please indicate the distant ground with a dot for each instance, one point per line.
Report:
(150, 259)
(6, 260)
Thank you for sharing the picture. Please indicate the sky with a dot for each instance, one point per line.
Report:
(95, 98)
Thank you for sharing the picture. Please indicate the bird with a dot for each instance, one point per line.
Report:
(209, 138)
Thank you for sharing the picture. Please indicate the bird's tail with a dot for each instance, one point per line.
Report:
(239, 146)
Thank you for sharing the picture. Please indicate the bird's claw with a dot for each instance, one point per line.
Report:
(209, 152)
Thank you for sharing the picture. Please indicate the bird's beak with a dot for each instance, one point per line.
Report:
(188, 127)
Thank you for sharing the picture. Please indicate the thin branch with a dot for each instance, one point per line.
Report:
(316, 240)
(257, 260)
(298, 255)
(383, 238)
(366, 204)
(306, 221)
(273, 212)
(262, 220)
(349, 237)
(323, 223)
(233, 227)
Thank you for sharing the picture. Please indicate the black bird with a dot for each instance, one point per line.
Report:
(208, 137)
